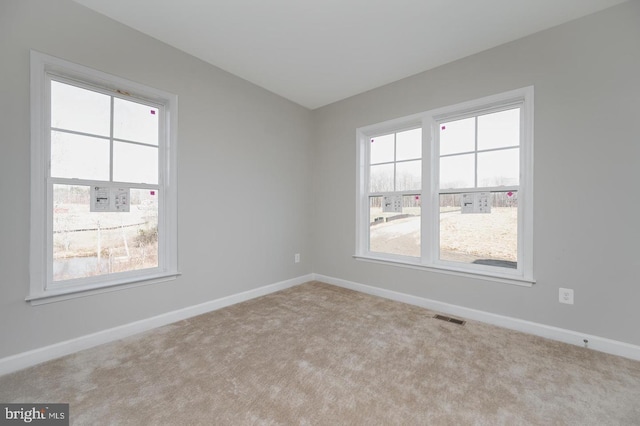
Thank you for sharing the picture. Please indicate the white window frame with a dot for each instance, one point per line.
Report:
(42, 288)
(429, 120)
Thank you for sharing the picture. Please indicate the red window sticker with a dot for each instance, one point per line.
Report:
(371, 140)
(509, 193)
(153, 112)
(443, 128)
(152, 192)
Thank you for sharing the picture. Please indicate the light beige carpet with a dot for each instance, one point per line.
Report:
(322, 355)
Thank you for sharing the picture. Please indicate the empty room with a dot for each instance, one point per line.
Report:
(419, 212)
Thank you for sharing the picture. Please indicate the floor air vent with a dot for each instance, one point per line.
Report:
(449, 319)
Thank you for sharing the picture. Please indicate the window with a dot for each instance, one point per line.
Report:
(103, 181)
(451, 189)
(395, 171)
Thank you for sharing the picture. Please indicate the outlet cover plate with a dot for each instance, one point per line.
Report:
(566, 296)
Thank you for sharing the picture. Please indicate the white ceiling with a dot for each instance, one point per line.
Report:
(318, 52)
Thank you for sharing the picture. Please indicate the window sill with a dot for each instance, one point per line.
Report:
(504, 279)
(66, 293)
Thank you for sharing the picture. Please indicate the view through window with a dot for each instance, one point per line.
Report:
(451, 188)
(395, 182)
(103, 182)
(105, 141)
(480, 162)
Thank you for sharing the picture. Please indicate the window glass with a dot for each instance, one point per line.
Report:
(409, 145)
(89, 243)
(397, 232)
(135, 163)
(381, 178)
(499, 129)
(480, 238)
(408, 175)
(458, 136)
(80, 110)
(135, 122)
(78, 156)
(382, 149)
(499, 168)
(457, 171)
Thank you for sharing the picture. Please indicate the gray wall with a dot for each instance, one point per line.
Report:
(244, 183)
(587, 169)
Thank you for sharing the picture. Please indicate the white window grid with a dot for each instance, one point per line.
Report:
(430, 121)
(42, 289)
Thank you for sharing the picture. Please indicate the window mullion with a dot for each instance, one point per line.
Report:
(364, 188)
(395, 164)
(49, 235)
(111, 118)
(48, 186)
(475, 154)
(430, 167)
(513, 188)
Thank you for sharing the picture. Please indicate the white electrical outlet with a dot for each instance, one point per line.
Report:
(296, 258)
(566, 296)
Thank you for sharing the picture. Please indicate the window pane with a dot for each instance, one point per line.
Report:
(135, 122)
(499, 130)
(135, 163)
(408, 175)
(457, 171)
(395, 233)
(382, 148)
(409, 145)
(458, 136)
(81, 157)
(381, 178)
(496, 168)
(87, 244)
(480, 238)
(80, 110)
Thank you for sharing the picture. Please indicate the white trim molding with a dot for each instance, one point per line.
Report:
(36, 356)
(571, 337)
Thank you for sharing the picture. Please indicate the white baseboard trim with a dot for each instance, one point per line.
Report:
(597, 343)
(36, 356)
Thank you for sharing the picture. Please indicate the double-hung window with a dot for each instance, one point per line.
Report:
(395, 184)
(451, 189)
(103, 181)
